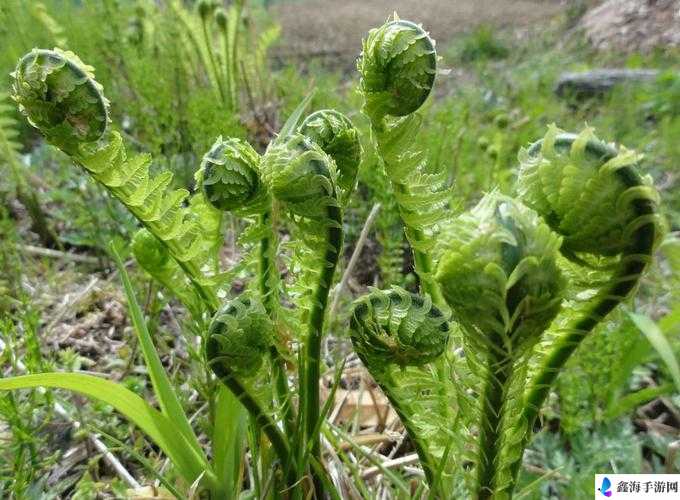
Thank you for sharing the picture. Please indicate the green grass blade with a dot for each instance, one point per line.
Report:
(294, 119)
(660, 343)
(229, 439)
(160, 429)
(631, 401)
(170, 405)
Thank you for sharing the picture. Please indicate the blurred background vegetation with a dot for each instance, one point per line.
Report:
(617, 408)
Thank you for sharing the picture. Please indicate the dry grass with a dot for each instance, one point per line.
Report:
(331, 28)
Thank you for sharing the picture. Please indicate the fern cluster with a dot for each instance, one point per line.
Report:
(467, 361)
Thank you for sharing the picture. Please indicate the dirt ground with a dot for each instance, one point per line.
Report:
(309, 30)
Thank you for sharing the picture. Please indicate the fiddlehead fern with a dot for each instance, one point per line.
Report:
(239, 339)
(303, 179)
(498, 273)
(60, 97)
(230, 179)
(401, 338)
(593, 195)
(339, 139)
(398, 66)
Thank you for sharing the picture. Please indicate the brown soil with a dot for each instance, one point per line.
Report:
(331, 28)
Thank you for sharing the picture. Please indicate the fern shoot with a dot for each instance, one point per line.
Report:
(401, 338)
(594, 196)
(398, 65)
(499, 274)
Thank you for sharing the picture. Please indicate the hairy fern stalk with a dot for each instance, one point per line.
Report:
(466, 362)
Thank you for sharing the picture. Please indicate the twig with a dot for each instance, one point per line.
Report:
(65, 308)
(355, 257)
(56, 254)
(387, 464)
(109, 457)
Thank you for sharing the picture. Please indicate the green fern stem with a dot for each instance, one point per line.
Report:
(492, 403)
(633, 263)
(270, 301)
(315, 332)
(404, 413)
(213, 62)
(422, 261)
(207, 295)
(265, 423)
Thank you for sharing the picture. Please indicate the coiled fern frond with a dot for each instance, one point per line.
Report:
(593, 195)
(239, 338)
(229, 176)
(59, 96)
(401, 338)
(398, 66)
(498, 272)
(339, 139)
(582, 188)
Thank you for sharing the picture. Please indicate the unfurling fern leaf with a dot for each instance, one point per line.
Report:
(239, 338)
(594, 196)
(60, 97)
(498, 273)
(339, 139)
(230, 179)
(303, 179)
(398, 66)
(401, 338)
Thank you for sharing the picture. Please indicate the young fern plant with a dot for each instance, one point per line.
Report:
(593, 195)
(503, 269)
(308, 174)
(402, 338)
(398, 65)
(467, 363)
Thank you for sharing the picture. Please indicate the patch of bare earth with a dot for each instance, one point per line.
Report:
(331, 28)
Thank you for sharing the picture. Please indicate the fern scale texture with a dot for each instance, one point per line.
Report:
(301, 175)
(398, 327)
(499, 273)
(229, 175)
(338, 137)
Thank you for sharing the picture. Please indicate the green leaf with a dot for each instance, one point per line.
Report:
(293, 120)
(160, 429)
(660, 343)
(170, 405)
(635, 399)
(229, 439)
